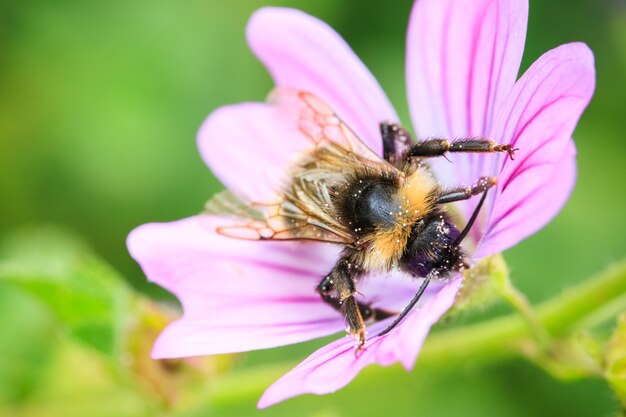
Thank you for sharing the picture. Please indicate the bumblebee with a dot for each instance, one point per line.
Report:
(387, 212)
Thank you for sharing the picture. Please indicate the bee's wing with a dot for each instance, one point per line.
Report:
(305, 208)
(319, 123)
(285, 220)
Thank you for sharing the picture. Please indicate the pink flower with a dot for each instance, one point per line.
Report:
(462, 62)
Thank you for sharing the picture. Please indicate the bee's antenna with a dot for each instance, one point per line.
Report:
(471, 221)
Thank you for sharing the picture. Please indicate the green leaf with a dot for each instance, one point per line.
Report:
(25, 347)
(615, 360)
(85, 294)
(106, 338)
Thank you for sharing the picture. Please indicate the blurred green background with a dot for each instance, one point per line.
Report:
(99, 107)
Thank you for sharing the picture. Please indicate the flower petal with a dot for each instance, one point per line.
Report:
(392, 290)
(236, 295)
(539, 117)
(250, 147)
(462, 59)
(335, 365)
(304, 53)
(536, 201)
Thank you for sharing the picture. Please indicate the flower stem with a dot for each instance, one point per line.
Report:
(504, 337)
(519, 302)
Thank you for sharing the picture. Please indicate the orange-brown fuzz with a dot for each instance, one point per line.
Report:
(416, 190)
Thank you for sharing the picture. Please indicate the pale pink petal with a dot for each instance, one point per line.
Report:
(462, 59)
(304, 53)
(536, 202)
(236, 295)
(538, 117)
(335, 365)
(240, 295)
(392, 290)
(250, 147)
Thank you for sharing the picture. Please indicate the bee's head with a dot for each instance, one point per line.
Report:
(433, 243)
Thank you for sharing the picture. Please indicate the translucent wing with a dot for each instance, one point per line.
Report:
(280, 221)
(305, 207)
(320, 124)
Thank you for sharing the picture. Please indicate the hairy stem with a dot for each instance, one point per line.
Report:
(504, 337)
(520, 303)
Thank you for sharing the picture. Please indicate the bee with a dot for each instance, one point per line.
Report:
(387, 212)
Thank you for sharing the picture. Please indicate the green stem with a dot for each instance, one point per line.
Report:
(520, 303)
(504, 337)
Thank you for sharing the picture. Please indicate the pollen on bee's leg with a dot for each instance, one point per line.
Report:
(483, 184)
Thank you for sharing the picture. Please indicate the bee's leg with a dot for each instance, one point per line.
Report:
(396, 140)
(464, 193)
(326, 289)
(338, 289)
(438, 147)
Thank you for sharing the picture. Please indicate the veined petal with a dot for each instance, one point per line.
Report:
(250, 147)
(393, 290)
(236, 295)
(535, 202)
(335, 365)
(304, 53)
(463, 57)
(539, 117)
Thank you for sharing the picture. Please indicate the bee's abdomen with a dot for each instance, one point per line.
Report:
(371, 204)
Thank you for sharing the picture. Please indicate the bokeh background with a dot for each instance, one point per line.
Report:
(99, 106)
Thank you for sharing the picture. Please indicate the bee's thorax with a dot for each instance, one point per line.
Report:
(381, 211)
